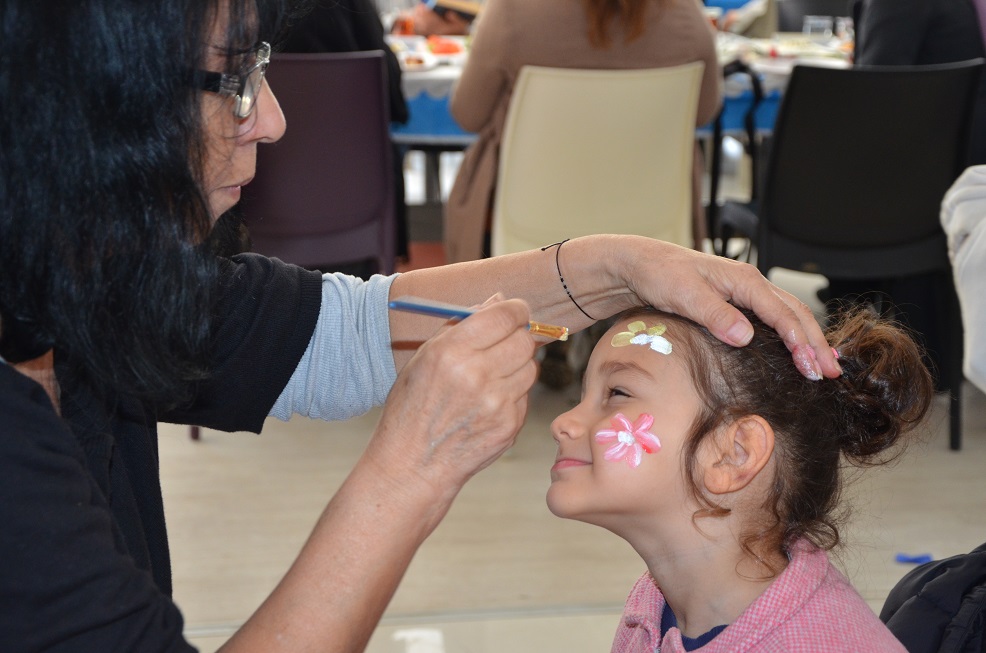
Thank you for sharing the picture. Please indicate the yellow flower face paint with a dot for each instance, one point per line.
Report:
(638, 333)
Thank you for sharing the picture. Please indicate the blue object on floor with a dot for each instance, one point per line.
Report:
(918, 559)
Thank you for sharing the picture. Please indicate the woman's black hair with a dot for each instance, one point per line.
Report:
(103, 222)
(885, 391)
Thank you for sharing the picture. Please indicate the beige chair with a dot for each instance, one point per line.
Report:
(597, 151)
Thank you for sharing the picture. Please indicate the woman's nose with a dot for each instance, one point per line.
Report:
(270, 123)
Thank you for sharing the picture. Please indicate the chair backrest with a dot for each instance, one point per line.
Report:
(860, 162)
(597, 151)
(791, 13)
(323, 195)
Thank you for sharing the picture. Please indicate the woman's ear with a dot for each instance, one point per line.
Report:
(737, 454)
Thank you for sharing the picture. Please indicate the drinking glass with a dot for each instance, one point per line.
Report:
(818, 28)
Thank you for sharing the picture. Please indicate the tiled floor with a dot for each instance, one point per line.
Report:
(501, 574)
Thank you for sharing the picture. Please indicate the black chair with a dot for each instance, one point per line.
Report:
(323, 195)
(860, 161)
(719, 233)
(791, 13)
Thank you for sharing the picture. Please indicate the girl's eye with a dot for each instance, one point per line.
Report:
(618, 392)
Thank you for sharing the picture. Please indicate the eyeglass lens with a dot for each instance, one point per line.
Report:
(252, 83)
(251, 88)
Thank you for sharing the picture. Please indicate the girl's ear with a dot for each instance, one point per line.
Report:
(737, 454)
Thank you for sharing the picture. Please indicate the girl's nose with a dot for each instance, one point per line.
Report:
(568, 425)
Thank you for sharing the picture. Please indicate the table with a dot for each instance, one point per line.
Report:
(428, 89)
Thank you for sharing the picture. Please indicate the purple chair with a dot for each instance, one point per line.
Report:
(323, 196)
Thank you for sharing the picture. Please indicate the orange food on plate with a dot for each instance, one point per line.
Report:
(441, 45)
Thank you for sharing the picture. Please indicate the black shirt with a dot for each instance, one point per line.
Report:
(84, 562)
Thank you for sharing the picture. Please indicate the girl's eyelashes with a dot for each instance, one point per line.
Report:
(617, 392)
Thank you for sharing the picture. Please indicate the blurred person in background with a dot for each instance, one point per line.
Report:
(923, 32)
(596, 34)
(437, 18)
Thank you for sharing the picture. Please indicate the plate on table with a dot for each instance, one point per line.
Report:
(416, 61)
(400, 43)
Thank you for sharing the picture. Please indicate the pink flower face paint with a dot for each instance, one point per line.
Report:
(631, 440)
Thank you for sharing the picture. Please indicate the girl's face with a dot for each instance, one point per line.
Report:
(231, 143)
(631, 394)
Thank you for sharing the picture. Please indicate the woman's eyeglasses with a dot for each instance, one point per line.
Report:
(245, 87)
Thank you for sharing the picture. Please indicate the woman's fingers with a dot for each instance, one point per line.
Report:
(779, 309)
(699, 286)
(460, 401)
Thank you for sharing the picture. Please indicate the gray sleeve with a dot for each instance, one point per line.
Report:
(348, 366)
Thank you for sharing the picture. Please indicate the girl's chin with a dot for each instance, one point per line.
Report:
(557, 504)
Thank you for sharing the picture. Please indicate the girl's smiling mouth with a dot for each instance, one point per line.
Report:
(564, 463)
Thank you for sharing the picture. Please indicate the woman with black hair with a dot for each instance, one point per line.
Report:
(127, 130)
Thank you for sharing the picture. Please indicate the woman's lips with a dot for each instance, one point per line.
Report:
(236, 188)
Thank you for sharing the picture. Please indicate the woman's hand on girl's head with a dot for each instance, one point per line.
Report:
(701, 286)
(460, 401)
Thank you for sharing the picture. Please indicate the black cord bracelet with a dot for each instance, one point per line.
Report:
(561, 278)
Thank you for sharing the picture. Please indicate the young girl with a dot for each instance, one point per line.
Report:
(721, 467)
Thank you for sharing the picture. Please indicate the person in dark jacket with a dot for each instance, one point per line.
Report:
(940, 607)
(923, 32)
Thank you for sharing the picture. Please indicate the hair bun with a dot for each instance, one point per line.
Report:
(885, 389)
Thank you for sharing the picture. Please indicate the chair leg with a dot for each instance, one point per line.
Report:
(955, 352)
(433, 177)
(955, 418)
(955, 378)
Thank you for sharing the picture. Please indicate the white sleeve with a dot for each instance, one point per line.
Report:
(348, 366)
(963, 216)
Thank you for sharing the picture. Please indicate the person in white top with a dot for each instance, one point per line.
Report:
(963, 216)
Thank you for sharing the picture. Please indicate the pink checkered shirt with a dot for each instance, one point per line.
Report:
(809, 608)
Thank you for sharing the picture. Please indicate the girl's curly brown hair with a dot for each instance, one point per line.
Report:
(885, 391)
